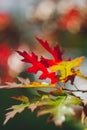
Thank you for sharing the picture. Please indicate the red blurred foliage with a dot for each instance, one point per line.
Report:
(4, 54)
(71, 19)
(4, 20)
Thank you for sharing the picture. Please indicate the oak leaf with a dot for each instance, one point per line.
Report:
(67, 68)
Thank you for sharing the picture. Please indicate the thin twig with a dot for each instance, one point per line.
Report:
(75, 86)
(59, 84)
(70, 90)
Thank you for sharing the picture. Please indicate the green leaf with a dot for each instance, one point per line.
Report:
(15, 109)
(73, 100)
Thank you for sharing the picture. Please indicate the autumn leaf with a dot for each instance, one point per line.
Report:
(25, 83)
(58, 108)
(21, 98)
(37, 66)
(14, 110)
(58, 102)
(43, 64)
(67, 68)
(17, 108)
(56, 52)
(49, 67)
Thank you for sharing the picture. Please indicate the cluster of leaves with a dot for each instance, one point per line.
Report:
(59, 102)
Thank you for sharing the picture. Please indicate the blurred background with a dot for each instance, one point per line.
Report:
(57, 21)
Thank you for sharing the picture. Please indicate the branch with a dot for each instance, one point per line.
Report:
(70, 90)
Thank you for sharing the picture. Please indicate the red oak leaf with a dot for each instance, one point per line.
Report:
(37, 66)
(56, 52)
(43, 64)
(33, 59)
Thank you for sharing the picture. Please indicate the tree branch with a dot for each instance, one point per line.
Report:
(70, 90)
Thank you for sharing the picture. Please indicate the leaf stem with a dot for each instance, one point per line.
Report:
(70, 90)
(75, 86)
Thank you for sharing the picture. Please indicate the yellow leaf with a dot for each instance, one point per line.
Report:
(38, 85)
(66, 68)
